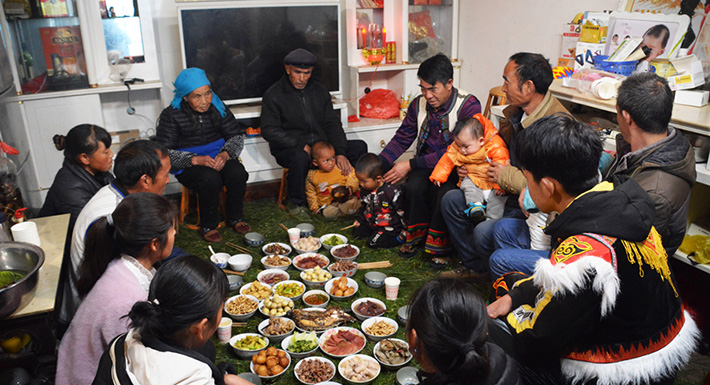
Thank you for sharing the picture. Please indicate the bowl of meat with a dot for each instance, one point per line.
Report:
(343, 268)
(346, 251)
(365, 308)
(392, 353)
(308, 261)
(342, 341)
(272, 276)
(359, 369)
(277, 248)
(275, 261)
(276, 329)
(314, 370)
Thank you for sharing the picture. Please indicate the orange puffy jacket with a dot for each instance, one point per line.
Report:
(494, 150)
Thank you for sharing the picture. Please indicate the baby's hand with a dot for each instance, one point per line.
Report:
(356, 224)
(500, 193)
(437, 183)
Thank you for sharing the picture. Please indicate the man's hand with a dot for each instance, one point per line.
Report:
(461, 170)
(521, 199)
(398, 172)
(203, 160)
(500, 307)
(343, 164)
(307, 149)
(495, 169)
(220, 160)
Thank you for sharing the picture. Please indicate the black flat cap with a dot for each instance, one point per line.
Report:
(300, 58)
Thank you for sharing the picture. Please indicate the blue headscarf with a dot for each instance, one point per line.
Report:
(189, 80)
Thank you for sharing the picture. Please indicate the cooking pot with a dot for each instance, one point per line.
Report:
(26, 259)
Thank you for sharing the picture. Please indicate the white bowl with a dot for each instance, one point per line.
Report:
(316, 331)
(268, 378)
(275, 338)
(363, 317)
(347, 273)
(406, 375)
(285, 246)
(241, 317)
(297, 259)
(287, 341)
(295, 297)
(301, 251)
(316, 284)
(323, 338)
(391, 366)
(371, 321)
(343, 239)
(310, 292)
(220, 259)
(243, 353)
(351, 283)
(261, 308)
(240, 262)
(244, 288)
(281, 267)
(262, 275)
(363, 357)
(334, 251)
(322, 359)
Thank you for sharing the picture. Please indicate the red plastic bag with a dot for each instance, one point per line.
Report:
(379, 104)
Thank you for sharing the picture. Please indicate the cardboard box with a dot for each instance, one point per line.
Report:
(691, 98)
(570, 37)
(593, 33)
(585, 53)
(121, 138)
(690, 73)
(663, 67)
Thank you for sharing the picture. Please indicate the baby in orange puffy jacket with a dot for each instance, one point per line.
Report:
(476, 145)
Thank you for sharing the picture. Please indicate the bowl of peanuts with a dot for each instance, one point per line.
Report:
(241, 307)
(378, 328)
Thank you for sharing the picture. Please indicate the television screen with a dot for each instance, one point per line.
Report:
(242, 48)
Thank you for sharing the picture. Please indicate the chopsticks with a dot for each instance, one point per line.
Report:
(374, 265)
(232, 272)
(348, 227)
(239, 324)
(238, 248)
(283, 227)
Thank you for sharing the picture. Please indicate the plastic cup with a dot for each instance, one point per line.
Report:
(294, 234)
(391, 288)
(224, 330)
(26, 232)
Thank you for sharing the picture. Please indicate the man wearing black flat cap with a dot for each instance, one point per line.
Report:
(295, 113)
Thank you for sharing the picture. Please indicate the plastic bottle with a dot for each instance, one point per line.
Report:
(4, 228)
(19, 215)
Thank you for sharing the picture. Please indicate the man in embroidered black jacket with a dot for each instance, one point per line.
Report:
(605, 302)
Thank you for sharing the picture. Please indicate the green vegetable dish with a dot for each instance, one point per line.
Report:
(289, 289)
(250, 343)
(333, 241)
(303, 342)
(8, 277)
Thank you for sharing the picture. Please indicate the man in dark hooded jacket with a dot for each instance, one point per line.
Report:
(654, 154)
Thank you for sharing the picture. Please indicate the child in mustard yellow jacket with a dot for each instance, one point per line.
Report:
(322, 182)
(476, 145)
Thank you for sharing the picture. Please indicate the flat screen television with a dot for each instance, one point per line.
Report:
(241, 46)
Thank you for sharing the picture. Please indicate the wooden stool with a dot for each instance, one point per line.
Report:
(185, 208)
(496, 97)
(283, 191)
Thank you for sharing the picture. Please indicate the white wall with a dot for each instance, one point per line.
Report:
(491, 31)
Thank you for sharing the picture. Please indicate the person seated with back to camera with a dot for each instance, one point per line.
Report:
(121, 250)
(447, 332)
(381, 216)
(476, 145)
(204, 141)
(604, 308)
(182, 311)
(328, 190)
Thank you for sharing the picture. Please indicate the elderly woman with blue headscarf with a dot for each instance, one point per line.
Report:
(204, 141)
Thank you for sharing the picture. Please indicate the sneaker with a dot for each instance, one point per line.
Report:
(475, 211)
(463, 272)
(212, 236)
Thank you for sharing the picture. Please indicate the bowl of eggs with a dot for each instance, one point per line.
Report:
(316, 277)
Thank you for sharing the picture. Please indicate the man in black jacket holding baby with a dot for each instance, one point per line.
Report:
(297, 112)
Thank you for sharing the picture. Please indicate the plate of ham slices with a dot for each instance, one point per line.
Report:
(342, 341)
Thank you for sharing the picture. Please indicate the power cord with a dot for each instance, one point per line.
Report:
(130, 110)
